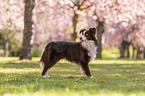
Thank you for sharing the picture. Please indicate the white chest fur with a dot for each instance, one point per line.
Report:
(91, 47)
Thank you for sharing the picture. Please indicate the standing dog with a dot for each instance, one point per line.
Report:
(79, 52)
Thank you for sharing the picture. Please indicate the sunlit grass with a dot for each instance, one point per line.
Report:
(112, 53)
(111, 78)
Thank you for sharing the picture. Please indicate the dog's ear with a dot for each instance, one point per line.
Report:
(82, 31)
(93, 30)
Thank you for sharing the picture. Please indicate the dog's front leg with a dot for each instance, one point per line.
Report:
(85, 69)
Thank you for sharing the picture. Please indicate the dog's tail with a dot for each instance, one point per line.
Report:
(45, 56)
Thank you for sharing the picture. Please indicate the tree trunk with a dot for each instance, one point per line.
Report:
(75, 21)
(133, 54)
(139, 53)
(6, 48)
(100, 31)
(128, 52)
(144, 53)
(122, 51)
(27, 32)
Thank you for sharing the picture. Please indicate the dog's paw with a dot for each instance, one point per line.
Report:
(88, 76)
(91, 77)
(47, 76)
(44, 76)
(85, 75)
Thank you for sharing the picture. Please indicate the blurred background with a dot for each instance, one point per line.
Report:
(120, 25)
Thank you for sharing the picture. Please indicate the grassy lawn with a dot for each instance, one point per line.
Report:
(112, 77)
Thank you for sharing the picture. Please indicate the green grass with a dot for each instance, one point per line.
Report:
(110, 53)
(111, 78)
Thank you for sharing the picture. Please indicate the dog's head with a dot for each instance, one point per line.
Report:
(88, 34)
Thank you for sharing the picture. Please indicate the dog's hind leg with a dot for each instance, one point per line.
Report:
(46, 74)
(85, 69)
(45, 59)
(54, 58)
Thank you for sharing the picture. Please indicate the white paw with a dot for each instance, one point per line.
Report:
(44, 76)
(91, 77)
(47, 76)
(85, 75)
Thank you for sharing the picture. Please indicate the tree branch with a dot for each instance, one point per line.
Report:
(86, 7)
(95, 13)
(74, 3)
(70, 6)
(83, 2)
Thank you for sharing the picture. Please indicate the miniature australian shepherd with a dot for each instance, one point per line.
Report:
(81, 53)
